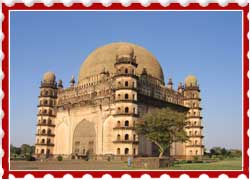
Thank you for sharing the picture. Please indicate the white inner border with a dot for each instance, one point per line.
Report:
(242, 61)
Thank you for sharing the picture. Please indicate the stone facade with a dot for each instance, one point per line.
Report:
(98, 114)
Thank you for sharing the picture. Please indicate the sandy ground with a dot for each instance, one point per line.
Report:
(68, 165)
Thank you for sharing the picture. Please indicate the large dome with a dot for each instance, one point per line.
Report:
(104, 58)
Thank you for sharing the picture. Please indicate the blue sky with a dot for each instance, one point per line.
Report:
(206, 44)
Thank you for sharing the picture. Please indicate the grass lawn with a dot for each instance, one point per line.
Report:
(227, 164)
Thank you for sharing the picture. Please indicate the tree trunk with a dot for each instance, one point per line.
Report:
(160, 149)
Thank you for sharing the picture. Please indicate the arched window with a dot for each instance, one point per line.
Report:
(43, 131)
(45, 102)
(46, 93)
(42, 151)
(126, 137)
(190, 152)
(48, 141)
(195, 132)
(196, 152)
(118, 123)
(190, 132)
(126, 109)
(134, 151)
(134, 110)
(133, 96)
(195, 122)
(126, 83)
(126, 71)
(195, 142)
(48, 151)
(49, 131)
(118, 151)
(44, 121)
(133, 71)
(118, 109)
(133, 84)
(134, 137)
(126, 151)
(50, 122)
(118, 137)
(126, 123)
(126, 96)
(43, 141)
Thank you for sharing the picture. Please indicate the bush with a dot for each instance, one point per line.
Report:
(196, 158)
(29, 158)
(189, 161)
(59, 158)
(221, 157)
(108, 158)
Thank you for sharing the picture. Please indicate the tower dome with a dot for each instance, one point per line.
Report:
(125, 50)
(49, 77)
(105, 57)
(191, 80)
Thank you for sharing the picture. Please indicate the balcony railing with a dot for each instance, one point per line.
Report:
(126, 75)
(198, 108)
(45, 124)
(195, 145)
(45, 134)
(126, 141)
(196, 135)
(126, 100)
(47, 95)
(194, 126)
(193, 116)
(46, 114)
(126, 114)
(44, 144)
(192, 98)
(45, 105)
(129, 87)
(124, 127)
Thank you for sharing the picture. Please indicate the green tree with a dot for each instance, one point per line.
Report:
(26, 149)
(216, 151)
(163, 127)
(15, 150)
(224, 152)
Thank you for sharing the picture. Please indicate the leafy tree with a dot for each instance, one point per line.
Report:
(27, 149)
(215, 151)
(15, 150)
(224, 152)
(163, 127)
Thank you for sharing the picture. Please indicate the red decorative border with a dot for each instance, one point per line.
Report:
(118, 6)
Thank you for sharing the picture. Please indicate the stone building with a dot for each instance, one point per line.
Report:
(117, 84)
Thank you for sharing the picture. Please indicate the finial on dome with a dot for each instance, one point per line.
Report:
(144, 71)
(72, 81)
(170, 83)
(60, 84)
(180, 87)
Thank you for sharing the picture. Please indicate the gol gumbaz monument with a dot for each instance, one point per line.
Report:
(117, 85)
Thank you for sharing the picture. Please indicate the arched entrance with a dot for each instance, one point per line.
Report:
(84, 138)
